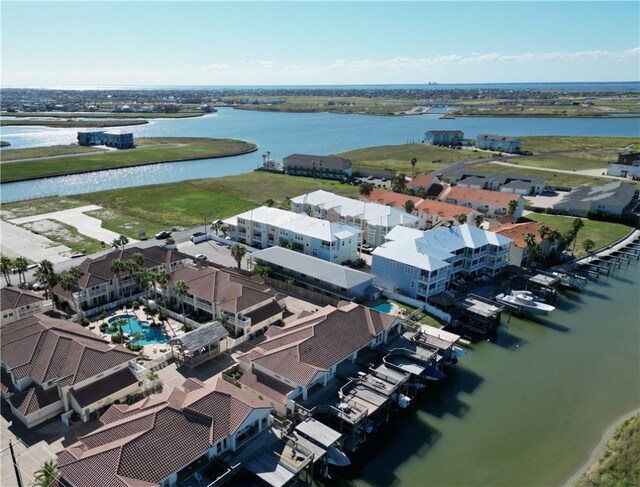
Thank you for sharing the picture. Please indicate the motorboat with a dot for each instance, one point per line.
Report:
(337, 457)
(525, 301)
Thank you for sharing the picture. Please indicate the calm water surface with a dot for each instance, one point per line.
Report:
(526, 410)
(281, 134)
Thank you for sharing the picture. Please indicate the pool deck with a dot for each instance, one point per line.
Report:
(172, 328)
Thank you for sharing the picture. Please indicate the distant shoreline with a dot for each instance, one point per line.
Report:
(600, 448)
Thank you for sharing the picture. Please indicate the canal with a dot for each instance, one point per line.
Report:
(526, 410)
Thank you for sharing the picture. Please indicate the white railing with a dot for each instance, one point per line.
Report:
(234, 342)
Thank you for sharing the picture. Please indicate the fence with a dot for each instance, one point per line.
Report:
(301, 292)
(234, 342)
(438, 313)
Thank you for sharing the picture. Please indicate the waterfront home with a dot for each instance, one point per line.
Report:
(243, 304)
(520, 251)
(99, 288)
(443, 137)
(499, 143)
(113, 138)
(336, 281)
(489, 203)
(614, 198)
(326, 167)
(302, 356)
(627, 165)
(525, 185)
(265, 227)
(16, 303)
(374, 219)
(166, 439)
(423, 264)
(52, 366)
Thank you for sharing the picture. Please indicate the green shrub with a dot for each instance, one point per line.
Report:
(135, 305)
(116, 338)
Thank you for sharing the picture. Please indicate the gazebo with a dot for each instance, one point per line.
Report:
(199, 345)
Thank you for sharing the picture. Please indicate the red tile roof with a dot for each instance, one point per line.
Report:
(422, 181)
(34, 399)
(314, 343)
(481, 196)
(104, 387)
(442, 209)
(148, 444)
(13, 298)
(517, 232)
(49, 349)
(385, 197)
(266, 385)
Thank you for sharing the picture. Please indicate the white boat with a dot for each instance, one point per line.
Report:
(525, 301)
(571, 281)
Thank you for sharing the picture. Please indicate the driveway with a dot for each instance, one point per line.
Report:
(75, 217)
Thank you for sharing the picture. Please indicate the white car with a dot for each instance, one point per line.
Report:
(201, 257)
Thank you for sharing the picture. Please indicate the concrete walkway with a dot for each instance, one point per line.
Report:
(75, 217)
(587, 172)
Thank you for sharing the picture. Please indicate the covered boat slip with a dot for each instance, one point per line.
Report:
(318, 432)
(276, 459)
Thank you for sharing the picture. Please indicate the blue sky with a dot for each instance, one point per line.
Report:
(221, 43)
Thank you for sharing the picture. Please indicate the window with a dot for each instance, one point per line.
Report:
(408, 269)
(392, 265)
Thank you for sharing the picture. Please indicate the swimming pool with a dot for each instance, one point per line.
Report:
(384, 307)
(150, 335)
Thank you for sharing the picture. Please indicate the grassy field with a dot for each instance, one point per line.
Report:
(564, 144)
(104, 114)
(620, 464)
(66, 235)
(602, 233)
(398, 157)
(72, 123)
(553, 179)
(55, 150)
(148, 151)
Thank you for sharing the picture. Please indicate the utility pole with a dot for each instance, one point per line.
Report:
(15, 464)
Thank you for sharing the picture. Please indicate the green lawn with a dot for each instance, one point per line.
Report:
(148, 151)
(619, 466)
(189, 203)
(55, 150)
(104, 114)
(72, 123)
(553, 179)
(398, 157)
(602, 233)
(571, 143)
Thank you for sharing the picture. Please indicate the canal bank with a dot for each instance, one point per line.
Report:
(526, 409)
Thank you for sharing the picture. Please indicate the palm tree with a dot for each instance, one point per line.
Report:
(409, 206)
(365, 189)
(270, 202)
(115, 243)
(5, 266)
(47, 276)
(123, 241)
(162, 278)
(576, 226)
(224, 230)
(238, 252)
(119, 324)
(588, 245)
(479, 220)
(513, 207)
(21, 264)
(544, 231)
(398, 183)
(532, 247)
(181, 288)
(69, 283)
(462, 218)
(414, 161)
(47, 474)
(117, 266)
(145, 278)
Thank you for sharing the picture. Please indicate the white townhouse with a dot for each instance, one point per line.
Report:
(422, 264)
(374, 219)
(265, 227)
